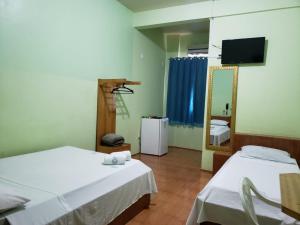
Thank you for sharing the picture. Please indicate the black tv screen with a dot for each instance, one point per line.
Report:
(247, 50)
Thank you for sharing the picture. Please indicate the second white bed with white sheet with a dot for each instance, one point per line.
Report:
(69, 185)
(219, 134)
(219, 201)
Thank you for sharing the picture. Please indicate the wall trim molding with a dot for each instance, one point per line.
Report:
(207, 9)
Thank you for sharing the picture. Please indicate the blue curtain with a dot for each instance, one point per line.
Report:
(186, 91)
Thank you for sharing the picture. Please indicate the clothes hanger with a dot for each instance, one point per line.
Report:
(122, 90)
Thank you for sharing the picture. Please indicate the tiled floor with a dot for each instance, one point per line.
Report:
(179, 179)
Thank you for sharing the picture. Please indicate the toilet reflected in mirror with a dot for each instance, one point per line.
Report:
(221, 107)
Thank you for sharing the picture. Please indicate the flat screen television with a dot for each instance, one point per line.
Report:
(247, 50)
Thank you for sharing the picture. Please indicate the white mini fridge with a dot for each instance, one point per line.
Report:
(154, 136)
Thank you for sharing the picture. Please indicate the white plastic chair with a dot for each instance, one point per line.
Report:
(246, 197)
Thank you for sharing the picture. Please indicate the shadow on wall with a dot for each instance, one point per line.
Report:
(154, 35)
(121, 107)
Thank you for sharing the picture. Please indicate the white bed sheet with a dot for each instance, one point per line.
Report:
(219, 201)
(219, 134)
(69, 185)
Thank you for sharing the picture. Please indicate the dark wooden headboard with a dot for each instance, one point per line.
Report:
(291, 145)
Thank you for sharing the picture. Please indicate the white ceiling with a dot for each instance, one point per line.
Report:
(143, 5)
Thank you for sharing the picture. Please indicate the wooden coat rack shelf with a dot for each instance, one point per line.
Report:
(106, 112)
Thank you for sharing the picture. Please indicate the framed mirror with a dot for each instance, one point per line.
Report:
(221, 107)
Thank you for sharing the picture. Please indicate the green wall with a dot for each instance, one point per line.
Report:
(268, 94)
(148, 67)
(52, 53)
(267, 101)
(206, 9)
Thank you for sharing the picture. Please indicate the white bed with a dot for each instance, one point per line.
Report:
(69, 185)
(219, 134)
(219, 201)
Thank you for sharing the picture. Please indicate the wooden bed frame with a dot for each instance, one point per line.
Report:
(129, 213)
(132, 211)
(291, 145)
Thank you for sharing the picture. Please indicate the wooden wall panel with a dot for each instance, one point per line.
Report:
(106, 112)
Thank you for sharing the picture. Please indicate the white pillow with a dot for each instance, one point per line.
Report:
(219, 122)
(266, 153)
(262, 148)
(9, 200)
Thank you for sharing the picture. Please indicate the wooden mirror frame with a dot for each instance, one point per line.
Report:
(233, 110)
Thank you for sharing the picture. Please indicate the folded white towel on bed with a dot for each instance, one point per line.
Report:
(116, 159)
(126, 153)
